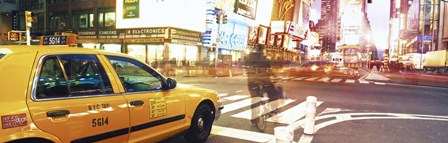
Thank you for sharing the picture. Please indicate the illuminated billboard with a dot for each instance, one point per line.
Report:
(246, 8)
(185, 14)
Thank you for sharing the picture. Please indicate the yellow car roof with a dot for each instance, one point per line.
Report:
(53, 49)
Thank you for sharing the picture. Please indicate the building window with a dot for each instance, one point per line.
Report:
(56, 1)
(106, 19)
(55, 21)
(83, 20)
(38, 26)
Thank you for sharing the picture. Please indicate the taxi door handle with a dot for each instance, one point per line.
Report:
(57, 113)
(137, 103)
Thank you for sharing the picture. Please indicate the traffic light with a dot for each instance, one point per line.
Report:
(28, 19)
(218, 17)
(224, 19)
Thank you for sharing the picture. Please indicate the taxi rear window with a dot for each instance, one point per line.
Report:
(2, 55)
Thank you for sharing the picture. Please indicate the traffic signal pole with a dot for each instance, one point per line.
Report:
(28, 37)
(28, 24)
(220, 20)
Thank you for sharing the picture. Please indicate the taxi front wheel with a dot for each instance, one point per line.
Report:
(201, 124)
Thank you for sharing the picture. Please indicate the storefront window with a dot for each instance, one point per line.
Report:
(177, 51)
(56, 21)
(90, 20)
(137, 51)
(115, 48)
(155, 55)
(83, 20)
(91, 46)
(106, 19)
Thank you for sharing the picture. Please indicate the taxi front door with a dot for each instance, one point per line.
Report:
(155, 112)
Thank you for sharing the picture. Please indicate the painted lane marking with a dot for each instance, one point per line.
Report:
(349, 81)
(343, 117)
(333, 110)
(241, 134)
(305, 139)
(240, 104)
(363, 81)
(325, 79)
(312, 78)
(292, 114)
(336, 80)
(299, 78)
(238, 91)
(349, 117)
(256, 110)
(380, 83)
(223, 94)
(235, 97)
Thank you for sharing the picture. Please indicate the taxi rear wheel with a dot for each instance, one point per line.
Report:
(201, 124)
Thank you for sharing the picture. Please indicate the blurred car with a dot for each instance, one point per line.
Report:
(311, 68)
(63, 94)
(321, 68)
(342, 71)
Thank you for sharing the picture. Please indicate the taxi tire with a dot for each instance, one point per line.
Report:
(196, 134)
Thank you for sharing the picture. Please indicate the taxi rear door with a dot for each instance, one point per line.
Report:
(73, 98)
(155, 113)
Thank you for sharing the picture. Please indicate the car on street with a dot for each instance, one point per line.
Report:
(68, 94)
(321, 68)
(342, 71)
(310, 68)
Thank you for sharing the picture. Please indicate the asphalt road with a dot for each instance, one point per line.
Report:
(349, 111)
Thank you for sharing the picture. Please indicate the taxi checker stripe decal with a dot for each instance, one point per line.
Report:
(124, 131)
(156, 123)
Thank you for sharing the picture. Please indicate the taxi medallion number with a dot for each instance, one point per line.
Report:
(98, 122)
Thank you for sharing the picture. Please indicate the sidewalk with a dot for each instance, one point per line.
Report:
(409, 78)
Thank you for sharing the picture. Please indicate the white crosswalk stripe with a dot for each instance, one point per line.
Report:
(222, 94)
(235, 97)
(240, 104)
(325, 79)
(273, 104)
(349, 81)
(336, 80)
(292, 114)
(299, 78)
(241, 134)
(312, 78)
(363, 81)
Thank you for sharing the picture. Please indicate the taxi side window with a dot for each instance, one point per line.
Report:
(72, 75)
(136, 76)
(51, 82)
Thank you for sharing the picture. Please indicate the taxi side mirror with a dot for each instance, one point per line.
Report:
(170, 83)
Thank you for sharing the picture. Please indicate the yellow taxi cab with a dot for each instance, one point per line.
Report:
(66, 94)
